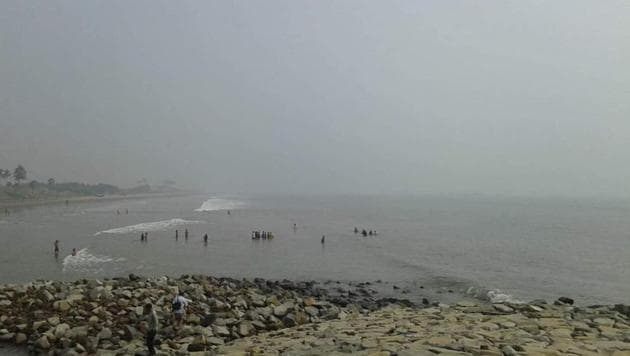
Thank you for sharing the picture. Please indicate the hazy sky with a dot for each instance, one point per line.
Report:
(494, 97)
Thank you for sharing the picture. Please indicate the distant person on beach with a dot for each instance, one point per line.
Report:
(67, 202)
(176, 234)
(74, 252)
(370, 233)
(56, 248)
(356, 231)
(323, 239)
(126, 211)
(364, 233)
(186, 234)
(153, 324)
(117, 212)
(205, 238)
(294, 227)
(6, 211)
(228, 212)
(178, 306)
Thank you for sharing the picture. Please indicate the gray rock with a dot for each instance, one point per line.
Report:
(508, 351)
(245, 328)
(61, 330)
(503, 308)
(104, 334)
(215, 341)
(281, 310)
(220, 330)
(7, 337)
(312, 311)
(48, 296)
(62, 305)
(20, 338)
(289, 320)
(42, 343)
(38, 324)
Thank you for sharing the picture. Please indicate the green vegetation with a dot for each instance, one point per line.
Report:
(51, 189)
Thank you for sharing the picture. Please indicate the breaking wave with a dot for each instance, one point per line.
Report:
(85, 261)
(214, 204)
(492, 295)
(149, 226)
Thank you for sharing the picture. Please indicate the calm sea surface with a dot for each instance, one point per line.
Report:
(506, 248)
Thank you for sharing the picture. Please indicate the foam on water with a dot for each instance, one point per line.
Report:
(214, 204)
(85, 261)
(149, 226)
(492, 295)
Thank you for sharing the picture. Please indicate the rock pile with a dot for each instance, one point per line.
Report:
(103, 317)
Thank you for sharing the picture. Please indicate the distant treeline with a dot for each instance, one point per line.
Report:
(51, 189)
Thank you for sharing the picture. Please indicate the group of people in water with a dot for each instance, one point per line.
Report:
(185, 234)
(364, 232)
(205, 236)
(265, 235)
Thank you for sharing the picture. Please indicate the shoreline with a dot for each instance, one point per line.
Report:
(27, 203)
(260, 317)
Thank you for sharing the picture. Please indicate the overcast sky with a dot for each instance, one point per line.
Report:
(491, 97)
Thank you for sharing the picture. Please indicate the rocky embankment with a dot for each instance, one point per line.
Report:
(261, 317)
(462, 329)
(103, 317)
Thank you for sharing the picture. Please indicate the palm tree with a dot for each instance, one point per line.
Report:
(19, 174)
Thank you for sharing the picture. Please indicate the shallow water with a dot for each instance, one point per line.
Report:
(504, 249)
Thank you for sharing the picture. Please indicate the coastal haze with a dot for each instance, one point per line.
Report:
(486, 143)
(499, 97)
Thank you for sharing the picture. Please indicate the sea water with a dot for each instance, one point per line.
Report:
(488, 248)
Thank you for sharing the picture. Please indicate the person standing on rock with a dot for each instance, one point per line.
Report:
(178, 307)
(56, 248)
(153, 325)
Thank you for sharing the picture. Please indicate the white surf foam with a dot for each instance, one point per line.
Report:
(496, 296)
(149, 226)
(492, 295)
(84, 261)
(214, 204)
